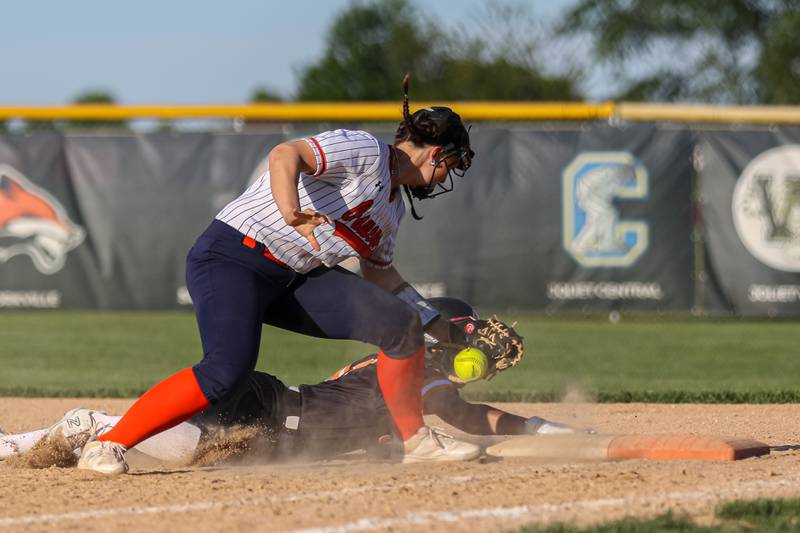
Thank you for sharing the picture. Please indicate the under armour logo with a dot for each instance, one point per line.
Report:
(74, 423)
(379, 185)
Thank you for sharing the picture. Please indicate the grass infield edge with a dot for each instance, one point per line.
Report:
(668, 396)
(765, 515)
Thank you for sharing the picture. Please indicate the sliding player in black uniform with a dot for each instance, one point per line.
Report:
(344, 413)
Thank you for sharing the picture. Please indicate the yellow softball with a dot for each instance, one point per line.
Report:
(470, 364)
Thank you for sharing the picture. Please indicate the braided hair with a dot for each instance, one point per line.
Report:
(437, 125)
(417, 128)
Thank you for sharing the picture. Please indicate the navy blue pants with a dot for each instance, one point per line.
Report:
(235, 289)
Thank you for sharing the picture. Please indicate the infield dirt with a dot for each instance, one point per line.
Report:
(359, 495)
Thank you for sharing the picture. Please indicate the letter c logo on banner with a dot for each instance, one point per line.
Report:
(593, 232)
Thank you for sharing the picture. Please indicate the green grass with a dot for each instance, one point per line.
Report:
(765, 516)
(659, 524)
(762, 515)
(121, 354)
(641, 359)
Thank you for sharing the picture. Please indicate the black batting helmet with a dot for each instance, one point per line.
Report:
(436, 125)
(450, 308)
(442, 126)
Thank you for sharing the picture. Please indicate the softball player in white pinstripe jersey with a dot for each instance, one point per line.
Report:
(350, 186)
(270, 257)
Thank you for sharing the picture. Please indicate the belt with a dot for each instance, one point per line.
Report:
(254, 244)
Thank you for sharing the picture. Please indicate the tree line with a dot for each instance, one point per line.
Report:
(705, 51)
(711, 51)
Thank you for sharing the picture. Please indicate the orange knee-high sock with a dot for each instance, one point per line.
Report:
(400, 381)
(167, 404)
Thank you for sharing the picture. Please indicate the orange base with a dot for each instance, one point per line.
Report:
(676, 447)
(604, 447)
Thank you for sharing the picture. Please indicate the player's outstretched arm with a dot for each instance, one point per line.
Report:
(386, 278)
(392, 281)
(286, 162)
(482, 419)
(474, 418)
(19, 443)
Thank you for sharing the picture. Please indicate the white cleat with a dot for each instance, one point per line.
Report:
(105, 457)
(77, 426)
(431, 445)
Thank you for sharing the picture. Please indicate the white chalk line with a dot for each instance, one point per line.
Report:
(745, 490)
(203, 506)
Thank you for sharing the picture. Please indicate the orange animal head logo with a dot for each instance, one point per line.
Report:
(34, 223)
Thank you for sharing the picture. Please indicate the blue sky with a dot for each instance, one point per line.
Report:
(176, 51)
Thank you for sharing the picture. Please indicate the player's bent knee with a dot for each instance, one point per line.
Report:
(407, 337)
(219, 381)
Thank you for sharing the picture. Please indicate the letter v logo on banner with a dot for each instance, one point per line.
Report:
(593, 232)
(766, 207)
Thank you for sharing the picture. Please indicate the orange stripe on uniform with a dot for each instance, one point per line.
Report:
(323, 163)
(274, 259)
(351, 368)
(252, 243)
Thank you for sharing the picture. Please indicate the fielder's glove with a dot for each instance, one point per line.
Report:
(501, 344)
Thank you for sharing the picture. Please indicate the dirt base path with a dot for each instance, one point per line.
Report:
(357, 495)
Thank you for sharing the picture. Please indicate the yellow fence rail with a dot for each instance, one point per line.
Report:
(709, 114)
(358, 111)
(380, 111)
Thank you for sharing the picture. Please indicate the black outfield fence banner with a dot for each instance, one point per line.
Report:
(751, 196)
(575, 217)
(105, 221)
(43, 241)
(578, 218)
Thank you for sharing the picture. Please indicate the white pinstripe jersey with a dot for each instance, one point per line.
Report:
(351, 185)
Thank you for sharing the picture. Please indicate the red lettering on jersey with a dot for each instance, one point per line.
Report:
(352, 239)
(374, 237)
(364, 225)
(357, 211)
(363, 234)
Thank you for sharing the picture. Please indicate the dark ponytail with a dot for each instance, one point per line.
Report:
(418, 127)
(406, 112)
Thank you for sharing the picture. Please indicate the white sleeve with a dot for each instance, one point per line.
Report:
(11, 445)
(177, 444)
(343, 155)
